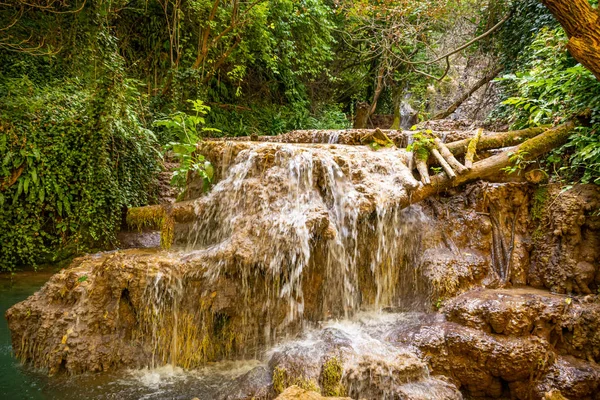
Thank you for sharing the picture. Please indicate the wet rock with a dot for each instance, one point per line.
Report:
(253, 385)
(356, 360)
(477, 362)
(451, 273)
(139, 240)
(568, 378)
(428, 389)
(566, 253)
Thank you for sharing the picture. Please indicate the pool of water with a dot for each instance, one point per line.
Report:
(21, 383)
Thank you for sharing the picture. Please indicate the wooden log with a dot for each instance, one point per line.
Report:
(410, 160)
(488, 167)
(472, 148)
(407, 178)
(496, 140)
(423, 171)
(452, 161)
(440, 159)
(381, 138)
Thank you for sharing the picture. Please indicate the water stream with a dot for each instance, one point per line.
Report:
(291, 237)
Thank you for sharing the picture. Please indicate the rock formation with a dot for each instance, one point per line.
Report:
(293, 235)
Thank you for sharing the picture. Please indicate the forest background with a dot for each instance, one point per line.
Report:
(94, 93)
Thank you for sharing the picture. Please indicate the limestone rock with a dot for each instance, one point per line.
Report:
(571, 324)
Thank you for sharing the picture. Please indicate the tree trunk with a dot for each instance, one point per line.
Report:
(581, 23)
(362, 116)
(486, 79)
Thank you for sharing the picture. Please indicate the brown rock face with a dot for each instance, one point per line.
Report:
(570, 324)
(566, 253)
(523, 343)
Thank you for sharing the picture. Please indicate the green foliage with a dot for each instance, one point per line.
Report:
(187, 130)
(422, 142)
(518, 162)
(552, 89)
(79, 166)
(527, 18)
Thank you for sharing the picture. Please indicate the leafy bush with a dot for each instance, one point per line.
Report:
(554, 88)
(187, 129)
(71, 158)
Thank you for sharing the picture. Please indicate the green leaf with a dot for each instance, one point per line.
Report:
(209, 170)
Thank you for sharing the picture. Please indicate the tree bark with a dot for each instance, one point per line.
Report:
(486, 79)
(496, 141)
(449, 157)
(472, 149)
(362, 116)
(581, 23)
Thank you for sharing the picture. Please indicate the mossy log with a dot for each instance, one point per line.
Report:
(161, 217)
(487, 168)
(496, 140)
(472, 149)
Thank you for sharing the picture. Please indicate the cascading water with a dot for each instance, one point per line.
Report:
(279, 211)
(290, 235)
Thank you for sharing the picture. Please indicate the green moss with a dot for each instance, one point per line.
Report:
(153, 217)
(331, 378)
(145, 217)
(167, 232)
(281, 381)
(540, 196)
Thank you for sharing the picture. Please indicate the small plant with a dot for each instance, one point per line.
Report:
(518, 162)
(188, 130)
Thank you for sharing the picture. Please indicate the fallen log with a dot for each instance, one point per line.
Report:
(447, 168)
(496, 140)
(445, 152)
(423, 170)
(530, 150)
